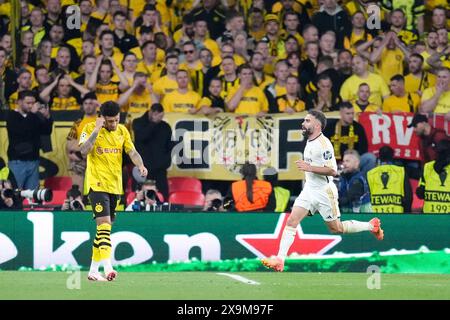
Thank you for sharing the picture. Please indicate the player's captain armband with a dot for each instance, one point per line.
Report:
(83, 137)
(327, 155)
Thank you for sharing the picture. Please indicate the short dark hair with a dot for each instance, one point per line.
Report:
(109, 109)
(157, 107)
(89, 96)
(319, 115)
(418, 56)
(386, 154)
(25, 93)
(345, 105)
(398, 77)
(105, 32)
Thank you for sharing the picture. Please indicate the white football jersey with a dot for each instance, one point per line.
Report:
(319, 152)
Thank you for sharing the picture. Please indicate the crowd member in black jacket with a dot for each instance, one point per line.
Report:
(153, 141)
(332, 17)
(25, 125)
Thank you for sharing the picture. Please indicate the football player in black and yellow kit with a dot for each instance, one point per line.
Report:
(102, 143)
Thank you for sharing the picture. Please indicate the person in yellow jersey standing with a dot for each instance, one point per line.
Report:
(102, 142)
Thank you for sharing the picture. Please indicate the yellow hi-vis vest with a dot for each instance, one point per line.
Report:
(282, 196)
(387, 188)
(437, 189)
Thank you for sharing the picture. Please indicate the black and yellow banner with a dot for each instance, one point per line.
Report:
(209, 147)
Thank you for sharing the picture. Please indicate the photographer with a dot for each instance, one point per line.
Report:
(74, 200)
(8, 199)
(213, 201)
(146, 198)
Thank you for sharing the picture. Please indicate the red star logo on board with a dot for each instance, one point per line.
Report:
(266, 244)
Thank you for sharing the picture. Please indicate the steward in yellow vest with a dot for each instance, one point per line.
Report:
(282, 195)
(435, 188)
(390, 190)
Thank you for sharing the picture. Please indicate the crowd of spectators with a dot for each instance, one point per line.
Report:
(209, 56)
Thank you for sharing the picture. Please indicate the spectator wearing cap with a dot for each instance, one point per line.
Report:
(210, 12)
(77, 163)
(437, 99)
(153, 140)
(400, 100)
(276, 44)
(429, 136)
(331, 17)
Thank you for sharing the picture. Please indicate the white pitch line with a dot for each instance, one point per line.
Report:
(239, 278)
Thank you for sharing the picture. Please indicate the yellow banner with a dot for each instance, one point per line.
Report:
(209, 147)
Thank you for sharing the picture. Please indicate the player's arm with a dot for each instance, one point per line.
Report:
(86, 146)
(325, 171)
(137, 160)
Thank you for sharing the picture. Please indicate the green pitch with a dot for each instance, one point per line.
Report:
(210, 285)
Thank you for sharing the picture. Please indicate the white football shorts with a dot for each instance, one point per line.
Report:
(323, 200)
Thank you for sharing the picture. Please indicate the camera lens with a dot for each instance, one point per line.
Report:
(150, 194)
(8, 193)
(76, 205)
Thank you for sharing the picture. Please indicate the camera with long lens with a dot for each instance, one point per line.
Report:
(76, 205)
(34, 196)
(151, 195)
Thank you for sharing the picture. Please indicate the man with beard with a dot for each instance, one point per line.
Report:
(429, 136)
(319, 192)
(418, 80)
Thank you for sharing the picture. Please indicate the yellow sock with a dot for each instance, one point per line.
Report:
(103, 241)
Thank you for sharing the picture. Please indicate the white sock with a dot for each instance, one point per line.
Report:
(353, 226)
(94, 266)
(286, 241)
(107, 267)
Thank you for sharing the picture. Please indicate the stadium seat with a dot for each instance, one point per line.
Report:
(177, 184)
(187, 198)
(58, 183)
(417, 203)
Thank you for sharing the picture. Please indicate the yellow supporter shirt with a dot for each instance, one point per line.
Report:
(284, 102)
(391, 64)
(181, 102)
(443, 105)
(78, 126)
(138, 103)
(228, 86)
(408, 103)
(12, 101)
(378, 88)
(349, 42)
(104, 162)
(280, 91)
(414, 84)
(369, 108)
(152, 70)
(253, 101)
(64, 104)
(264, 81)
(164, 85)
(107, 92)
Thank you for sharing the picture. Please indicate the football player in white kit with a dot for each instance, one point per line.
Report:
(319, 193)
